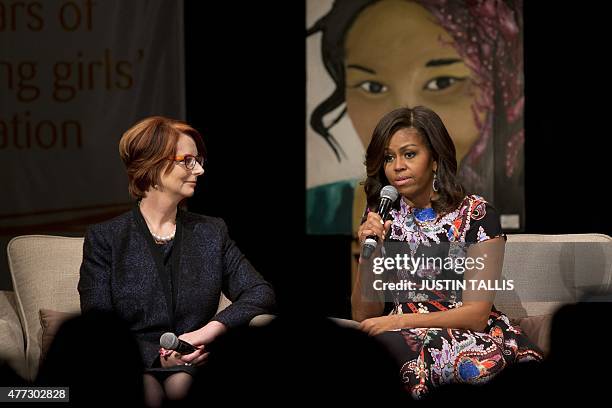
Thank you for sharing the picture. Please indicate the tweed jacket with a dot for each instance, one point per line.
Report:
(122, 271)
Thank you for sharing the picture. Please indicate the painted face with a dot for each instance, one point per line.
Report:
(409, 165)
(180, 182)
(397, 55)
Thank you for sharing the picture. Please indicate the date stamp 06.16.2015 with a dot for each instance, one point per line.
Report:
(24, 394)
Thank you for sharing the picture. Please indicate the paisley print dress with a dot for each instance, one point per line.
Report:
(430, 357)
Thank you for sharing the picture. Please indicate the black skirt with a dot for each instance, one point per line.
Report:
(161, 373)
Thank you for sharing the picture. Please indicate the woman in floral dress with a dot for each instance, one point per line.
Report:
(437, 319)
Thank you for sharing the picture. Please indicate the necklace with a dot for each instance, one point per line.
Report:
(158, 238)
(163, 240)
(425, 214)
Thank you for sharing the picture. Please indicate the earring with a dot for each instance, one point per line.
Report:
(435, 185)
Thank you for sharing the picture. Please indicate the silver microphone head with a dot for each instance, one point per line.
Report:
(169, 341)
(389, 192)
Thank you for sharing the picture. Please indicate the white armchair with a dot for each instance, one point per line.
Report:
(45, 273)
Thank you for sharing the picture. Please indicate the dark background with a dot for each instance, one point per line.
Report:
(248, 96)
(245, 78)
(245, 75)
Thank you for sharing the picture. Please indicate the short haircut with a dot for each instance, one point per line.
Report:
(145, 147)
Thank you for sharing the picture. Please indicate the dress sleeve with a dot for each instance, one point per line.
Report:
(484, 223)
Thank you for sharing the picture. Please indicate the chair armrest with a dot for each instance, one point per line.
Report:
(11, 334)
(347, 323)
(261, 320)
(537, 329)
(264, 319)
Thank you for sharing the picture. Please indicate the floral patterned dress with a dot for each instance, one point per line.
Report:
(430, 357)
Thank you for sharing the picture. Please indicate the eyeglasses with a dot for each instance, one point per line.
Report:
(189, 160)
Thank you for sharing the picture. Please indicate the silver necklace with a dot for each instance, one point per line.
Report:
(165, 239)
(159, 238)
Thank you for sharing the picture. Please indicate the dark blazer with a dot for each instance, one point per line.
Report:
(120, 273)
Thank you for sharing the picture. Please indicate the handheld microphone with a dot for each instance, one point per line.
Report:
(169, 341)
(388, 195)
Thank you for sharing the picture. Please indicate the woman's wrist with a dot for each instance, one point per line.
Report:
(213, 327)
(401, 321)
(218, 326)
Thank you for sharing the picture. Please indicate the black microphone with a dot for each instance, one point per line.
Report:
(169, 341)
(388, 195)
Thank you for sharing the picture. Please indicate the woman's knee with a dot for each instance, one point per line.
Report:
(177, 386)
(154, 393)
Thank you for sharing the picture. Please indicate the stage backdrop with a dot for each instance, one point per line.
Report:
(463, 59)
(74, 75)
